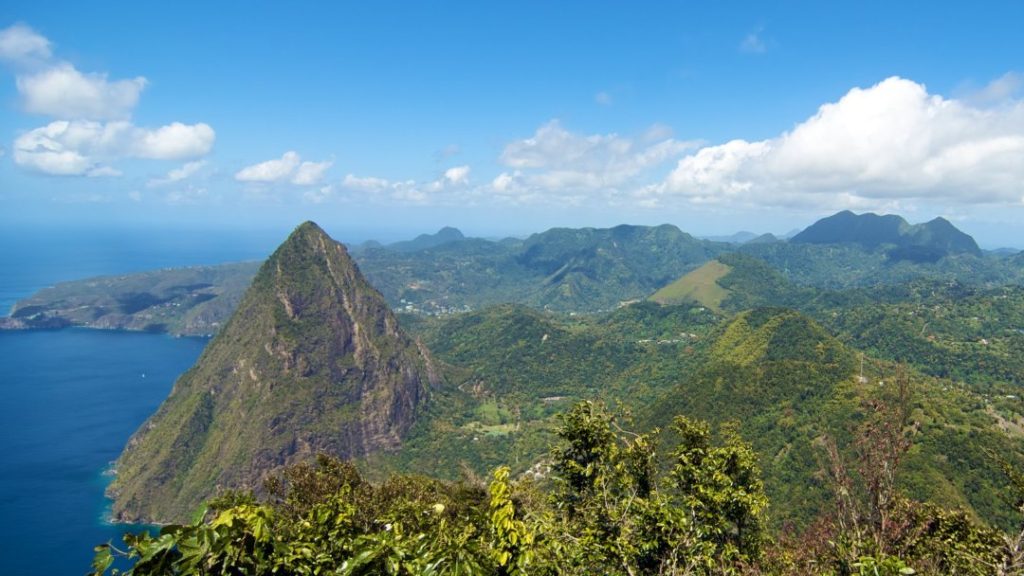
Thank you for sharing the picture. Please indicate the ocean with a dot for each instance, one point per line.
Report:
(69, 399)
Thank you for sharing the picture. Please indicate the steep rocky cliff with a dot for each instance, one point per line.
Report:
(311, 361)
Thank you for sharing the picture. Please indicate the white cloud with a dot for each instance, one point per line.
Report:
(271, 170)
(188, 169)
(173, 141)
(503, 182)
(893, 141)
(64, 92)
(21, 45)
(288, 168)
(365, 184)
(311, 173)
(320, 195)
(603, 98)
(135, 196)
(56, 88)
(555, 162)
(454, 177)
(458, 175)
(92, 112)
(407, 191)
(79, 147)
(178, 174)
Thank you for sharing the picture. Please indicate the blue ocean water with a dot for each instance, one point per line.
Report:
(69, 399)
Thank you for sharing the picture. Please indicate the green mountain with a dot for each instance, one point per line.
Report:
(562, 269)
(741, 237)
(311, 361)
(314, 361)
(778, 375)
(585, 270)
(786, 384)
(927, 242)
(423, 241)
(190, 301)
(781, 377)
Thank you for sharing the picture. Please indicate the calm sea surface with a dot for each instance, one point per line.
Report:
(69, 399)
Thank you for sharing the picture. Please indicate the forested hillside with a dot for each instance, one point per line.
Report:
(810, 365)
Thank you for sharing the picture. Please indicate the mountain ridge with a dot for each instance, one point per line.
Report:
(925, 242)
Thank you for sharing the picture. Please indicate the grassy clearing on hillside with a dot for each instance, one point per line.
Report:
(700, 286)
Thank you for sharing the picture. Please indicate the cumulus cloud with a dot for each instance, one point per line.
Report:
(80, 147)
(288, 168)
(271, 170)
(21, 45)
(555, 161)
(310, 173)
(440, 190)
(173, 141)
(55, 88)
(178, 174)
(64, 92)
(502, 182)
(382, 189)
(365, 184)
(458, 175)
(319, 195)
(891, 141)
(92, 112)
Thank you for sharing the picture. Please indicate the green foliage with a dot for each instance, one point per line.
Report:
(722, 487)
(703, 516)
(606, 507)
(786, 379)
(608, 511)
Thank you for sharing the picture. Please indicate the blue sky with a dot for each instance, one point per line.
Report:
(390, 119)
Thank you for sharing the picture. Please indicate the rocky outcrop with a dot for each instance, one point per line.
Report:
(312, 360)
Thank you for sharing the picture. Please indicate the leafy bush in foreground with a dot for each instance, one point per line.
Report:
(603, 503)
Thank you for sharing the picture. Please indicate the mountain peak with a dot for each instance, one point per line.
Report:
(443, 236)
(450, 232)
(307, 229)
(918, 242)
(312, 361)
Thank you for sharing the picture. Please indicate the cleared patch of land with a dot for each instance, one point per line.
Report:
(699, 286)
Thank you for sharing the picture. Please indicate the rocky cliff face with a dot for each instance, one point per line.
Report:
(311, 361)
